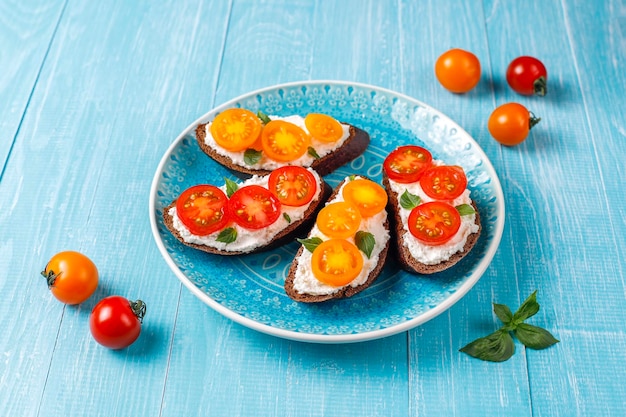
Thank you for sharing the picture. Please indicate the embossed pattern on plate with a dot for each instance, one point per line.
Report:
(249, 289)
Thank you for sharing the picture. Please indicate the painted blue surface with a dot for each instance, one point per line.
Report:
(92, 94)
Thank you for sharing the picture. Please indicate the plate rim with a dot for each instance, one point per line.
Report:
(314, 337)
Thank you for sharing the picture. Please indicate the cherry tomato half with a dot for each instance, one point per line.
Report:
(510, 123)
(293, 185)
(283, 141)
(72, 277)
(254, 207)
(336, 262)
(202, 209)
(115, 322)
(339, 220)
(527, 75)
(323, 127)
(434, 223)
(443, 182)
(406, 164)
(458, 70)
(367, 196)
(236, 129)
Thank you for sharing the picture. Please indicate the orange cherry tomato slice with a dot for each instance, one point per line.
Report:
(367, 196)
(443, 182)
(336, 262)
(434, 223)
(293, 185)
(254, 207)
(202, 209)
(407, 163)
(339, 220)
(323, 127)
(283, 141)
(236, 129)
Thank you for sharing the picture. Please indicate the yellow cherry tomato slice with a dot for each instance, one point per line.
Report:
(367, 196)
(339, 220)
(283, 141)
(323, 127)
(236, 129)
(336, 262)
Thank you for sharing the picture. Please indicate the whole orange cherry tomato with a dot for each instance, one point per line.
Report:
(72, 277)
(458, 70)
(510, 123)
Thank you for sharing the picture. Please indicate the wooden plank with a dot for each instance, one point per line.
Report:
(114, 92)
(218, 367)
(26, 29)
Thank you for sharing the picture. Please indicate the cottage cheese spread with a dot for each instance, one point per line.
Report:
(305, 282)
(322, 148)
(248, 240)
(433, 255)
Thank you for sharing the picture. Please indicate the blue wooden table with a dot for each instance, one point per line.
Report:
(93, 93)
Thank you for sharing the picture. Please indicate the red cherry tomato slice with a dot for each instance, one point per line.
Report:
(443, 182)
(434, 223)
(202, 209)
(115, 322)
(254, 207)
(527, 76)
(407, 163)
(293, 185)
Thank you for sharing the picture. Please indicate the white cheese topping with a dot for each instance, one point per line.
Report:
(322, 148)
(248, 240)
(433, 255)
(305, 282)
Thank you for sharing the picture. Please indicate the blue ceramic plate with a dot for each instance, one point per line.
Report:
(249, 289)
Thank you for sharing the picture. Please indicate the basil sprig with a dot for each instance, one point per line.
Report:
(365, 242)
(252, 156)
(409, 201)
(311, 243)
(499, 345)
(231, 186)
(228, 235)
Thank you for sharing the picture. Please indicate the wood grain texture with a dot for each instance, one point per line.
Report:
(91, 96)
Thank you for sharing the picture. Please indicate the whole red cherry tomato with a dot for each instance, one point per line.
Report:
(115, 322)
(527, 75)
(510, 123)
(458, 70)
(72, 277)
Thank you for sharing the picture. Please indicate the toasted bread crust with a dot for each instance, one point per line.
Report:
(354, 146)
(294, 230)
(404, 257)
(344, 292)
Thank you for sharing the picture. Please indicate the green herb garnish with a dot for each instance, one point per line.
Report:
(465, 209)
(231, 186)
(311, 243)
(311, 151)
(365, 242)
(499, 345)
(264, 117)
(286, 216)
(228, 235)
(252, 156)
(409, 201)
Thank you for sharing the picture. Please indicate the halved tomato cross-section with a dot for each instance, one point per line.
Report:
(336, 262)
(284, 141)
(339, 220)
(406, 164)
(434, 223)
(202, 209)
(254, 207)
(443, 182)
(236, 129)
(293, 185)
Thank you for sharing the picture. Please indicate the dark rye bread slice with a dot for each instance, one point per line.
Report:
(294, 230)
(404, 257)
(347, 291)
(354, 146)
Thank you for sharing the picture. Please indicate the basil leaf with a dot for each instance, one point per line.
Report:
(409, 201)
(352, 177)
(264, 117)
(286, 216)
(228, 235)
(365, 242)
(534, 337)
(529, 308)
(311, 151)
(503, 313)
(311, 243)
(231, 187)
(497, 347)
(465, 209)
(251, 156)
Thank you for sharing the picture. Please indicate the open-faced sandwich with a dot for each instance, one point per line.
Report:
(435, 221)
(239, 218)
(256, 144)
(346, 249)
